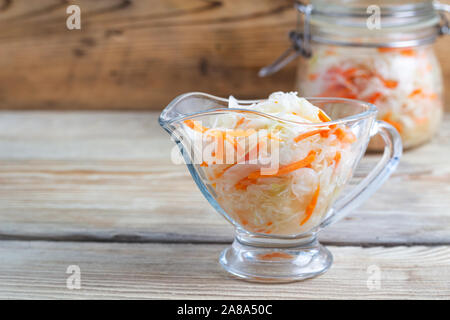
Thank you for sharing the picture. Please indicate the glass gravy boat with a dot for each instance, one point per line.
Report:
(277, 211)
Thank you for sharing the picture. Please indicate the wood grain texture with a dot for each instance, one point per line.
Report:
(184, 271)
(140, 54)
(107, 176)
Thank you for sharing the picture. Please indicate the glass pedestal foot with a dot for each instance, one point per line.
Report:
(275, 262)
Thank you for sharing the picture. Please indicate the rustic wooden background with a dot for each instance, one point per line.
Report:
(140, 54)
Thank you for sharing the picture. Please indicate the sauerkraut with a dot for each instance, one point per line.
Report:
(404, 83)
(313, 162)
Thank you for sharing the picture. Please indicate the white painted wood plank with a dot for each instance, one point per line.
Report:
(185, 271)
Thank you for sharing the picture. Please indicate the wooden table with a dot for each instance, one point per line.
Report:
(97, 190)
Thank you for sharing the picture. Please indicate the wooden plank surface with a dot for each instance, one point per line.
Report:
(136, 54)
(140, 54)
(107, 176)
(185, 271)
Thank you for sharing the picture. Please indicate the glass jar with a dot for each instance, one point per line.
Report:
(376, 52)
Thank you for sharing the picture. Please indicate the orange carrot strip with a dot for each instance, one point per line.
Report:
(297, 165)
(373, 98)
(195, 126)
(223, 171)
(240, 133)
(311, 206)
(408, 52)
(415, 93)
(391, 84)
(345, 136)
(337, 158)
(385, 49)
(287, 168)
(309, 134)
(243, 184)
(270, 136)
(240, 121)
(349, 72)
(312, 76)
(252, 177)
(397, 125)
(323, 117)
(275, 254)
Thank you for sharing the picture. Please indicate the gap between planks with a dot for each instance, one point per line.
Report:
(177, 239)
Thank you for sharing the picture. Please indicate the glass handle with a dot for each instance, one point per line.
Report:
(378, 175)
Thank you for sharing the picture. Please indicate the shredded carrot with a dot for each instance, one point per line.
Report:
(252, 177)
(397, 125)
(326, 134)
(391, 84)
(337, 158)
(349, 72)
(415, 93)
(269, 223)
(345, 136)
(275, 254)
(385, 49)
(204, 164)
(421, 120)
(374, 97)
(219, 146)
(214, 185)
(311, 206)
(323, 117)
(254, 150)
(243, 184)
(408, 52)
(297, 165)
(312, 76)
(223, 171)
(194, 125)
(239, 122)
(309, 134)
(270, 136)
(190, 123)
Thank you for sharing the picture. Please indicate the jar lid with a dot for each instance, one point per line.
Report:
(373, 23)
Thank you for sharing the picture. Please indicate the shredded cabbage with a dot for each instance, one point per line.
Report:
(314, 163)
(404, 83)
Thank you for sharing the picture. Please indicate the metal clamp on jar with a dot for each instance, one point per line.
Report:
(378, 53)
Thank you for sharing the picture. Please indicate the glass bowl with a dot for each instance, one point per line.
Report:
(279, 194)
